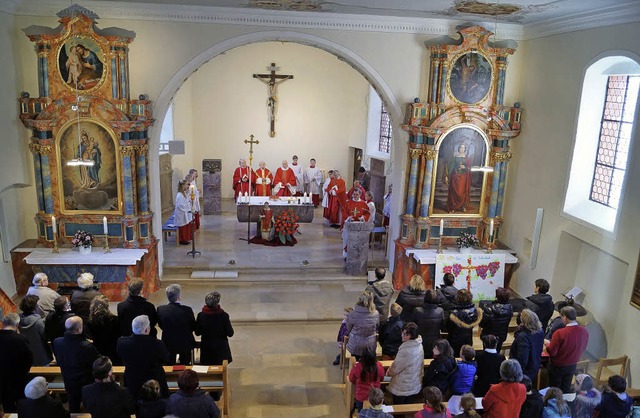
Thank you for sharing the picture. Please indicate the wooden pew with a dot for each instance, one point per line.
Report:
(215, 380)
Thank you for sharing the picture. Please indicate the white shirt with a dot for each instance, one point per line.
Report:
(182, 215)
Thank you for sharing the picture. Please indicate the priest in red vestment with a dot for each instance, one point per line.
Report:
(356, 210)
(356, 185)
(284, 182)
(264, 180)
(337, 191)
(244, 179)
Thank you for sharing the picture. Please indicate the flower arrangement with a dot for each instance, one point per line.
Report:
(467, 240)
(286, 225)
(82, 239)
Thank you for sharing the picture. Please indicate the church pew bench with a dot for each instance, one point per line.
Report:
(168, 227)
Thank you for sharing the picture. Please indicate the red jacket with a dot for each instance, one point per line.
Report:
(363, 386)
(567, 345)
(503, 400)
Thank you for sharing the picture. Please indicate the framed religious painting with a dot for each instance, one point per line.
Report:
(94, 188)
(458, 184)
(635, 294)
(81, 63)
(470, 77)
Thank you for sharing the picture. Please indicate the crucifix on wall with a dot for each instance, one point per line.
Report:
(272, 80)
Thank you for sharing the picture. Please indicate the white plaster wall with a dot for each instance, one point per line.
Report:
(550, 88)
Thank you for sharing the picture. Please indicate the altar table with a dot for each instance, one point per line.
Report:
(250, 212)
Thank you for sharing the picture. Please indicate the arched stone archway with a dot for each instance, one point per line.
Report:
(174, 84)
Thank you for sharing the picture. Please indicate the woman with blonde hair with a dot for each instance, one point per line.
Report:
(362, 324)
(527, 344)
(104, 328)
(182, 216)
(412, 296)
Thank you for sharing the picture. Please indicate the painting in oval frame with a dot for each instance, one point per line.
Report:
(81, 63)
(457, 190)
(470, 78)
(95, 189)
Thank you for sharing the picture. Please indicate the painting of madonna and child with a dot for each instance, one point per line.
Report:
(89, 188)
(458, 189)
(80, 64)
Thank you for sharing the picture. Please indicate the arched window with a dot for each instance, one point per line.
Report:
(606, 126)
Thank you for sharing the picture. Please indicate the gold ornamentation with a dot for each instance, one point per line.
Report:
(128, 151)
(143, 149)
(501, 157)
(432, 154)
(415, 153)
(40, 149)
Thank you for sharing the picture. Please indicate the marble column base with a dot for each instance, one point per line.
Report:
(357, 239)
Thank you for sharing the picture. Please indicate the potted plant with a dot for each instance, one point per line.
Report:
(466, 242)
(83, 240)
(286, 225)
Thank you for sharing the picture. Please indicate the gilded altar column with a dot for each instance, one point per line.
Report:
(431, 154)
(407, 233)
(45, 169)
(141, 167)
(435, 71)
(493, 200)
(37, 168)
(505, 157)
(502, 73)
(114, 72)
(129, 222)
(444, 68)
(43, 50)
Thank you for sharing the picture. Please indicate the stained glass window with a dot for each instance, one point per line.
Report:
(384, 145)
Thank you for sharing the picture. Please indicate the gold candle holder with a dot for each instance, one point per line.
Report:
(490, 244)
(439, 245)
(55, 245)
(106, 244)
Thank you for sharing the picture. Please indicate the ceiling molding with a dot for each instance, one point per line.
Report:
(614, 15)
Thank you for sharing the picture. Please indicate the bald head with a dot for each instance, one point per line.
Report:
(73, 325)
(285, 164)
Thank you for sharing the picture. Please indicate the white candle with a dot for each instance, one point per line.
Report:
(54, 227)
(441, 226)
(491, 228)
(105, 227)
(192, 189)
(246, 197)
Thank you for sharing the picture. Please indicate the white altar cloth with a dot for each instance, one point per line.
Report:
(282, 201)
(429, 256)
(117, 256)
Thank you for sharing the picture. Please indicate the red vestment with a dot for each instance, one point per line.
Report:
(357, 210)
(459, 184)
(281, 179)
(243, 179)
(263, 187)
(337, 190)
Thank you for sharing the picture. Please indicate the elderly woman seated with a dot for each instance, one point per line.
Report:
(190, 400)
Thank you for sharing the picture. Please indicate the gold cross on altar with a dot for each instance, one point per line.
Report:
(250, 141)
(272, 80)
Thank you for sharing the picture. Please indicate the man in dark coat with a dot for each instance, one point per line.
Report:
(177, 323)
(136, 305)
(541, 303)
(75, 356)
(143, 356)
(382, 294)
(105, 398)
(497, 316)
(430, 321)
(54, 323)
(38, 403)
(15, 361)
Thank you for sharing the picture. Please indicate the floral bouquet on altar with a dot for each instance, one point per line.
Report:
(467, 241)
(286, 225)
(82, 239)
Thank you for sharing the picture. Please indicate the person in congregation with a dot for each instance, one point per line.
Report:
(284, 181)
(193, 185)
(448, 290)
(464, 316)
(16, 360)
(362, 325)
(151, 405)
(136, 305)
(465, 374)
(412, 296)
(382, 293)
(433, 406)
(105, 398)
(488, 361)
(190, 401)
(376, 397)
(505, 399)
(468, 407)
(554, 405)
(565, 350)
(497, 316)
(441, 369)
(38, 403)
(615, 403)
(81, 298)
(533, 404)
(337, 192)
(243, 179)
(367, 373)
(528, 344)
(104, 328)
(407, 369)
(386, 209)
(143, 356)
(32, 326)
(46, 295)
(75, 356)
(587, 397)
(325, 195)
(214, 325)
(298, 171)
(54, 323)
(390, 335)
(177, 323)
(342, 334)
(264, 180)
(430, 319)
(540, 302)
(182, 214)
(313, 182)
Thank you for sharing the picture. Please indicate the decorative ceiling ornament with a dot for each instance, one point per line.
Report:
(482, 8)
(297, 5)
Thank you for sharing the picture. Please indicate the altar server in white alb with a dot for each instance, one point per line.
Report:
(192, 178)
(298, 170)
(182, 214)
(313, 182)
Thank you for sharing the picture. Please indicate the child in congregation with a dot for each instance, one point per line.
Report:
(466, 371)
(342, 332)
(615, 401)
(468, 407)
(433, 406)
(554, 405)
(390, 335)
(488, 362)
(367, 373)
(376, 396)
(587, 397)
(533, 404)
(442, 367)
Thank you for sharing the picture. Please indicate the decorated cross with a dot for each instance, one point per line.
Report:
(482, 270)
(272, 80)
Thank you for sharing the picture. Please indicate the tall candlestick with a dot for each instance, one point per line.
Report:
(105, 226)
(441, 226)
(54, 227)
(491, 228)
